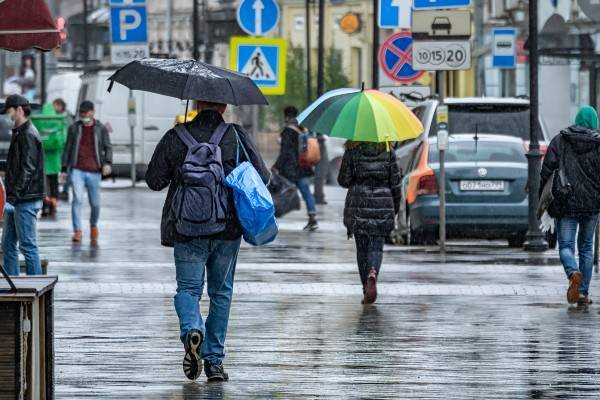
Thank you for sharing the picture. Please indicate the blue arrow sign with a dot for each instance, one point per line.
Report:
(395, 14)
(258, 17)
(431, 4)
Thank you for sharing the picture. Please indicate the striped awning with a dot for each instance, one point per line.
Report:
(27, 24)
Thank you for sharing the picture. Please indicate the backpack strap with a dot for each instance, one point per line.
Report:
(218, 134)
(185, 136)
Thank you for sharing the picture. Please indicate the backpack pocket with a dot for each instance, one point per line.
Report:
(195, 204)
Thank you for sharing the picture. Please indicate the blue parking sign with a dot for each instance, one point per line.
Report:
(128, 24)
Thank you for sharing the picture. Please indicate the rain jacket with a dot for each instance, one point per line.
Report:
(25, 177)
(287, 162)
(169, 155)
(54, 143)
(373, 178)
(580, 147)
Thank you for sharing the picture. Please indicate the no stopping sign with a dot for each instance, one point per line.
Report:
(396, 58)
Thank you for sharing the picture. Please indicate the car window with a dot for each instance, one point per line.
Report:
(492, 119)
(416, 157)
(419, 113)
(481, 150)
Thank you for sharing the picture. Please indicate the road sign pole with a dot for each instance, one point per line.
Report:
(375, 61)
(196, 30)
(321, 49)
(535, 239)
(308, 51)
(442, 136)
(131, 113)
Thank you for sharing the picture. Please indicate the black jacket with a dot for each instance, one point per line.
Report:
(581, 161)
(102, 140)
(287, 162)
(374, 182)
(25, 174)
(170, 153)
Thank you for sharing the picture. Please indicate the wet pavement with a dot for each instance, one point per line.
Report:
(483, 321)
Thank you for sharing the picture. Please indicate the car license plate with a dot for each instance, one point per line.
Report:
(482, 186)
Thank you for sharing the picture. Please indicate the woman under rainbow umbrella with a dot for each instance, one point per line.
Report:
(370, 120)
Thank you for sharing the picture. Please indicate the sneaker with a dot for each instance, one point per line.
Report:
(215, 373)
(77, 236)
(312, 226)
(371, 291)
(192, 363)
(94, 233)
(573, 291)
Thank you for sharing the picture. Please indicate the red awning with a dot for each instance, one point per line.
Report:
(26, 24)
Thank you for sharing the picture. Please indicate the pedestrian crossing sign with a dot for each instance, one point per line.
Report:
(262, 59)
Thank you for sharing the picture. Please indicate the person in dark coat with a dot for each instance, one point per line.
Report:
(287, 164)
(25, 189)
(371, 174)
(216, 254)
(579, 148)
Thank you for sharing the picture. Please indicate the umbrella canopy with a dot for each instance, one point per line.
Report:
(361, 115)
(189, 80)
(27, 24)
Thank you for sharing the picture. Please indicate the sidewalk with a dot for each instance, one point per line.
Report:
(485, 321)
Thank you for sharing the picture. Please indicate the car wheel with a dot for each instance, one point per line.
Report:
(517, 240)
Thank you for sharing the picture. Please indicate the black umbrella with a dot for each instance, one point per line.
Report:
(189, 80)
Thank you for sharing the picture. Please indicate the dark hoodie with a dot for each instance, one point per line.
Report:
(581, 147)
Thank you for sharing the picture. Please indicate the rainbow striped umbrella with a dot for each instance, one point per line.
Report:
(361, 115)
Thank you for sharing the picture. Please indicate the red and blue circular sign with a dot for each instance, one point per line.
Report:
(395, 58)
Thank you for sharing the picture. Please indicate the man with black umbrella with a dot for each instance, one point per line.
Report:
(216, 254)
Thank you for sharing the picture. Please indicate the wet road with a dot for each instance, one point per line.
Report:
(484, 321)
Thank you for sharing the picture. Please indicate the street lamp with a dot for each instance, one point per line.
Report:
(535, 239)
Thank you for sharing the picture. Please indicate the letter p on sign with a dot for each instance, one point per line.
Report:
(128, 25)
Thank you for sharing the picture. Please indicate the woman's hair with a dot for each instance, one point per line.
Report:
(381, 147)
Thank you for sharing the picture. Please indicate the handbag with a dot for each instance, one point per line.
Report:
(557, 190)
(253, 202)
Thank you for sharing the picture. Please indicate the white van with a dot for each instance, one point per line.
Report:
(66, 86)
(155, 115)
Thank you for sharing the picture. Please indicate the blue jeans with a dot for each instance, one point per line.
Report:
(82, 181)
(567, 230)
(20, 221)
(303, 184)
(218, 258)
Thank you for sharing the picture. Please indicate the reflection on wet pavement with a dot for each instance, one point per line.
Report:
(485, 322)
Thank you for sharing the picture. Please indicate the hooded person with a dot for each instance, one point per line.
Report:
(578, 146)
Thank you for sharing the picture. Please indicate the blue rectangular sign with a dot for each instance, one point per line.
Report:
(128, 24)
(432, 4)
(395, 14)
(504, 48)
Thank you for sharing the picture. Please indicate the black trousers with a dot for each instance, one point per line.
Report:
(52, 182)
(369, 254)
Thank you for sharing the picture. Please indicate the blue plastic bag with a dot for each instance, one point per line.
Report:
(254, 205)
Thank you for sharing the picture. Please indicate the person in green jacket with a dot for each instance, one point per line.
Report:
(53, 140)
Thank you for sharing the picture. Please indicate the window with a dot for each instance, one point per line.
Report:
(479, 151)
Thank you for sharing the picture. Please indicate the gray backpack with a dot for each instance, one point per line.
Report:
(200, 201)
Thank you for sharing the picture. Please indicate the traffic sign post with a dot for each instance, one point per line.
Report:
(504, 48)
(396, 58)
(258, 17)
(394, 14)
(128, 31)
(261, 59)
(436, 4)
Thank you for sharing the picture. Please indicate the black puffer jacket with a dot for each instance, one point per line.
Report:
(581, 148)
(170, 153)
(373, 178)
(25, 176)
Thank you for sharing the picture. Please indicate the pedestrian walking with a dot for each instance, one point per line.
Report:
(213, 254)
(24, 183)
(321, 171)
(571, 166)
(54, 144)
(60, 108)
(289, 165)
(370, 173)
(86, 158)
